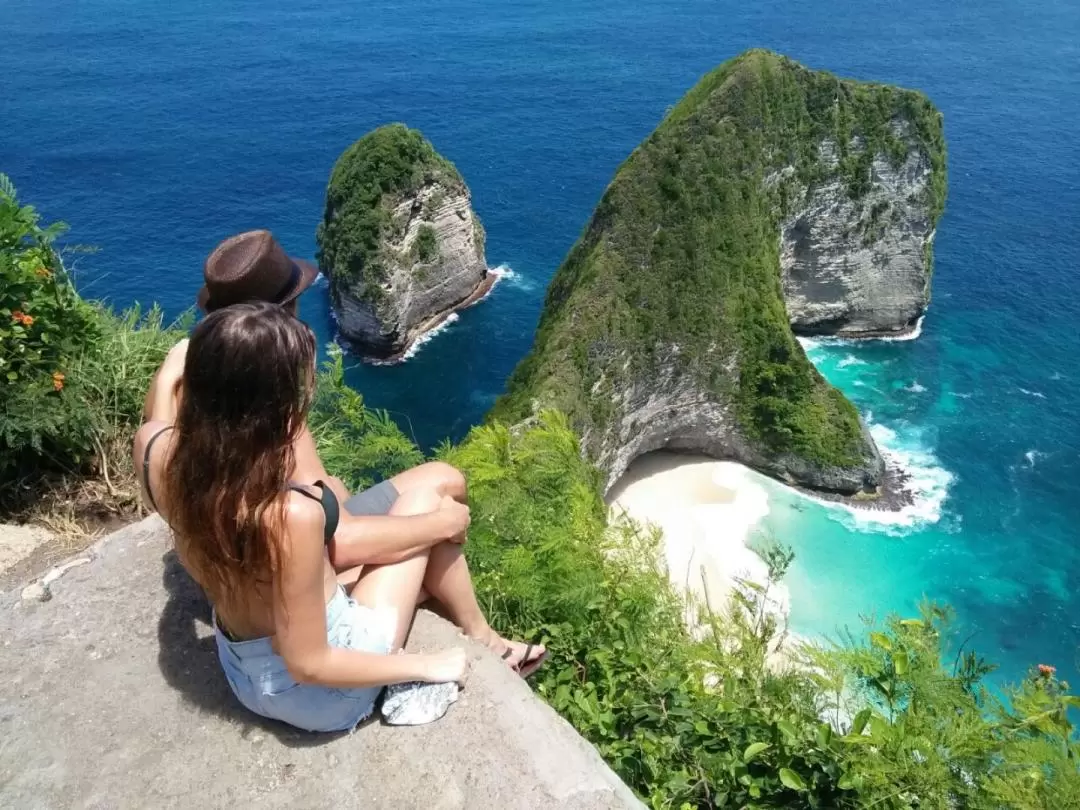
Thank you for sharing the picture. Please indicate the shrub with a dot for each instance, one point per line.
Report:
(427, 245)
(358, 445)
(72, 374)
(43, 323)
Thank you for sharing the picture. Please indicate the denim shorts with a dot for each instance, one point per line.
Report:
(261, 681)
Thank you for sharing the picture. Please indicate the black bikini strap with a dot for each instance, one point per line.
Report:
(329, 503)
(146, 465)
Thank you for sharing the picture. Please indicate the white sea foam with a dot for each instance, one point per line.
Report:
(809, 344)
(513, 278)
(850, 360)
(915, 388)
(1036, 394)
(927, 482)
(427, 336)
(912, 335)
(501, 273)
(1032, 456)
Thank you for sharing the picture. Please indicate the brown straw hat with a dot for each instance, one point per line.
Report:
(252, 266)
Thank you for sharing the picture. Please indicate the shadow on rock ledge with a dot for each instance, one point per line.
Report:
(187, 656)
(112, 698)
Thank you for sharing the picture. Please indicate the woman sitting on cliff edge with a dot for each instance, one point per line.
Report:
(294, 645)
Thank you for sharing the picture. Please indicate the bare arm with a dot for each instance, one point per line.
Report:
(380, 539)
(300, 621)
(162, 398)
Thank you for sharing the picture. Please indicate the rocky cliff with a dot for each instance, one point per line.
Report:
(666, 325)
(860, 266)
(399, 242)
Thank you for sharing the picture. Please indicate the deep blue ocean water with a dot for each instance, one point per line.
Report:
(156, 129)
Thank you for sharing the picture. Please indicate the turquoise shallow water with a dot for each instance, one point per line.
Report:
(992, 455)
(158, 128)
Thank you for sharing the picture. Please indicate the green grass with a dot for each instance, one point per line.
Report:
(369, 178)
(683, 250)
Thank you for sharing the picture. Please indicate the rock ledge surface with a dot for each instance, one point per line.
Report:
(113, 698)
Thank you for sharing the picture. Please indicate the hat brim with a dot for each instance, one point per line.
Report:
(308, 274)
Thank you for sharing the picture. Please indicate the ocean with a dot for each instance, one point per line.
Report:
(156, 129)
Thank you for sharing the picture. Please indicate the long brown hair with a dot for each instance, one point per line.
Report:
(248, 381)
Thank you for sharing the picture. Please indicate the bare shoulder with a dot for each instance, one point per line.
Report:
(303, 519)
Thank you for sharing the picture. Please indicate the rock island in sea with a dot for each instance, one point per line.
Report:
(399, 242)
(772, 199)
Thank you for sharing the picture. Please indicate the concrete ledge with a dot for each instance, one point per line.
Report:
(113, 698)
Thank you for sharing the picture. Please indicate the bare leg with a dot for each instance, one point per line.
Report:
(442, 572)
(436, 475)
(447, 579)
(398, 585)
(350, 576)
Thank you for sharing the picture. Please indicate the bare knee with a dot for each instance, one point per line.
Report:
(451, 481)
(436, 475)
(416, 502)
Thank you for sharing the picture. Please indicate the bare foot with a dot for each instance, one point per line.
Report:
(523, 658)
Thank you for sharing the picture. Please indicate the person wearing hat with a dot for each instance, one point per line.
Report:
(295, 642)
(252, 266)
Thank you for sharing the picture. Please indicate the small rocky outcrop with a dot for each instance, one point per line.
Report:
(861, 267)
(666, 326)
(399, 242)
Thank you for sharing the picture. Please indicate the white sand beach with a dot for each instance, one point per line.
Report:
(707, 510)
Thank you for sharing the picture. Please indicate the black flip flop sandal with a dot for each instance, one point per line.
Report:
(527, 667)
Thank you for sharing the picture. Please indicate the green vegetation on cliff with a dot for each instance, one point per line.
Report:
(383, 166)
(683, 250)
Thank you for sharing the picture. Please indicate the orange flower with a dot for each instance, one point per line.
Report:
(20, 317)
(42, 272)
(57, 381)
(1046, 670)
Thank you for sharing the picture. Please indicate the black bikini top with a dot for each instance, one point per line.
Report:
(328, 500)
(330, 507)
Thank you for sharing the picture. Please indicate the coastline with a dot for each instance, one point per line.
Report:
(709, 512)
(432, 325)
(893, 496)
(911, 332)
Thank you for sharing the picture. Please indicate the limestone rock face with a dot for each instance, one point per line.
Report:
(861, 268)
(399, 242)
(671, 411)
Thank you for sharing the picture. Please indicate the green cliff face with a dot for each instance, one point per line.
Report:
(666, 324)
